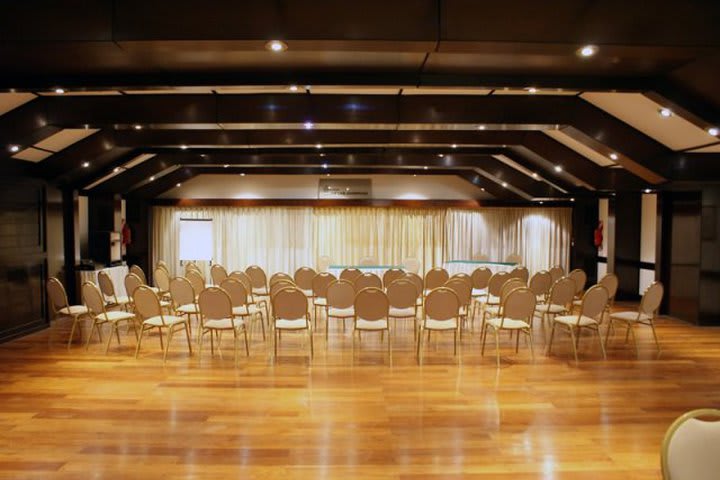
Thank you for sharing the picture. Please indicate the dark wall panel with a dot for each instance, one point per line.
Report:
(583, 253)
(628, 221)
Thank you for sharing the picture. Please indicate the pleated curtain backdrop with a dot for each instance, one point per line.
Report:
(286, 238)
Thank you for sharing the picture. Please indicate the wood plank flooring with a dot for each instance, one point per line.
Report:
(74, 413)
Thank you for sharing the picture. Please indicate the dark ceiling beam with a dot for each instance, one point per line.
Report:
(24, 126)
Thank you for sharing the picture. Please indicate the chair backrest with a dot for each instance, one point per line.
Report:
(280, 285)
(237, 291)
(162, 279)
(137, 270)
(690, 445)
(442, 304)
(611, 282)
(368, 260)
(496, 282)
(243, 278)
(436, 278)
(462, 288)
(480, 277)
(93, 298)
(192, 266)
(417, 280)
(371, 304)
(147, 304)
(340, 294)
(320, 283)
(290, 303)
(323, 263)
(652, 298)
(509, 286)
(132, 281)
(56, 292)
(277, 276)
(196, 280)
(464, 277)
(520, 272)
(480, 257)
(215, 303)
(513, 258)
(519, 304)
(257, 276)
(562, 292)
(304, 277)
(594, 301)
(391, 275)
(161, 264)
(540, 283)
(557, 272)
(181, 292)
(411, 265)
(218, 273)
(402, 293)
(107, 287)
(350, 274)
(367, 280)
(580, 278)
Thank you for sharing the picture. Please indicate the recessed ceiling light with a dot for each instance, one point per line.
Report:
(242, 174)
(425, 167)
(116, 169)
(558, 168)
(535, 175)
(183, 147)
(293, 88)
(152, 179)
(203, 155)
(481, 127)
(308, 125)
(324, 165)
(440, 155)
(327, 174)
(647, 190)
(177, 185)
(276, 46)
(454, 145)
(504, 184)
(614, 156)
(482, 189)
(665, 112)
(59, 91)
(85, 164)
(572, 199)
(318, 145)
(532, 90)
(322, 154)
(541, 202)
(137, 127)
(714, 131)
(587, 51)
(14, 148)
(226, 165)
(414, 174)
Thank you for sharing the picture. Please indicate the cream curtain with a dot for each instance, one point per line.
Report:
(285, 238)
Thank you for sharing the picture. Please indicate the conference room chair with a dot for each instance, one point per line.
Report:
(463, 289)
(480, 257)
(557, 272)
(260, 301)
(303, 279)
(391, 275)
(290, 313)
(280, 285)
(644, 315)
(196, 280)
(350, 274)
(497, 280)
(411, 265)
(611, 282)
(372, 308)
(367, 280)
(689, 448)
(520, 272)
(464, 277)
(494, 309)
(513, 258)
(320, 284)
(137, 270)
(131, 282)
(515, 315)
(580, 278)
(402, 295)
(216, 313)
(242, 306)
(435, 278)
(162, 264)
(323, 263)
(540, 283)
(95, 302)
(193, 267)
(218, 273)
(558, 301)
(162, 282)
(61, 308)
(593, 306)
(260, 287)
(107, 288)
(368, 261)
(480, 278)
(280, 276)
(340, 303)
(148, 309)
(419, 285)
(441, 314)
(184, 300)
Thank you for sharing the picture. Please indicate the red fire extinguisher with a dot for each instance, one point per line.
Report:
(598, 235)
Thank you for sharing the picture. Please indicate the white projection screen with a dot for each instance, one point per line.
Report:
(196, 239)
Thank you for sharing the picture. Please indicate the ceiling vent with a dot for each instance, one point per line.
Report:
(344, 188)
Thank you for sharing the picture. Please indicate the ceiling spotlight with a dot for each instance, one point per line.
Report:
(322, 154)
(318, 146)
(535, 175)
(116, 169)
(203, 155)
(572, 199)
(614, 156)
(177, 185)
(504, 184)
(558, 168)
(481, 127)
(714, 131)
(440, 155)
(59, 91)
(276, 46)
(308, 125)
(152, 179)
(183, 147)
(324, 165)
(242, 174)
(226, 165)
(137, 127)
(665, 112)
(85, 164)
(425, 167)
(293, 88)
(647, 190)
(454, 145)
(14, 148)
(587, 51)
(532, 90)
(541, 202)
(482, 189)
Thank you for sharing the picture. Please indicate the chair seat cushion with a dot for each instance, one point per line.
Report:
(507, 323)
(341, 312)
(260, 291)
(165, 303)
(363, 324)
(629, 316)
(479, 292)
(549, 308)
(308, 292)
(320, 301)
(115, 316)
(223, 324)
(188, 308)
(243, 310)
(73, 310)
(402, 312)
(432, 324)
(573, 320)
(492, 300)
(297, 324)
(157, 321)
(492, 310)
(121, 300)
(577, 301)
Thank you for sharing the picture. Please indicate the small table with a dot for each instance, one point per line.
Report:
(117, 275)
(378, 270)
(469, 266)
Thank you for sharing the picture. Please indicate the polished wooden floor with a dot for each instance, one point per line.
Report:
(81, 414)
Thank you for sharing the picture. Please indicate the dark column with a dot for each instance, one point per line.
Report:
(583, 253)
(71, 240)
(628, 221)
(138, 213)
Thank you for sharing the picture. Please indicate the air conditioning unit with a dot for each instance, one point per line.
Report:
(331, 188)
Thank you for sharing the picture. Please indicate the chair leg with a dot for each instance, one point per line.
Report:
(652, 327)
(634, 338)
(72, 331)
(602, 345)
(92, 328)
(530, 341)
(188, 334)
(312, 347)
(552, 335)
(483, 336)
(419, 345)
(117, 334)
(275, 343)
(517, 341)
(497, 346)
(235, 346)
(247, 344)
(161, 338)
(389, 343)
(212, 343)
(574, 344)
(107, 344)
(167, 346)
(607, 332)
(142, 332)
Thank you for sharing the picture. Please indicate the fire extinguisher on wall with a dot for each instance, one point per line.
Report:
(598, 235)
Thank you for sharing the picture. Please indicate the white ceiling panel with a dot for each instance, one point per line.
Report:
(641, 113)
(170, 91)
(65, 138)
(539, 91)
(80, 93)
(32, 155)
(257, 89)
(709, 149)
(138, 160)
(9, 101)
(445, 91)
(580, 148)
(354, 90)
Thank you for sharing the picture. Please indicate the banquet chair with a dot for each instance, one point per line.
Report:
(137, 270)
(520, 272)
(340, 303)
(689, 449)
(303, 279)
(196, 280)
(435, 278)
(645, 314)
(217, 315)
(463, 289)
(419, 285)
(441, 314)
(162, 264)
(464, 277)
(241, 303)
(162, 282)
(320, 284)
(280, 285)
(593, 306)
(494, 309)
(290, 313)
(95, 301)
(324, 262)
(558, 301)
(350, 274)
(107, 288)
(277, 276)
(62, 308)
(367, 280)
(147, 306)
(557, 272)
(218, 273)
(402, 295)
(184, 300)
(192, 266)
(580, 278)
(368, 260)
(540, 284)
(411, 265)
(513, 258)
(131, 282)
(611, 282)
(480, 278)
(515, 314)
(497, 280)
(372, 308)
(391, 275)
(260, 287)
(480, 257)
(260, 301)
